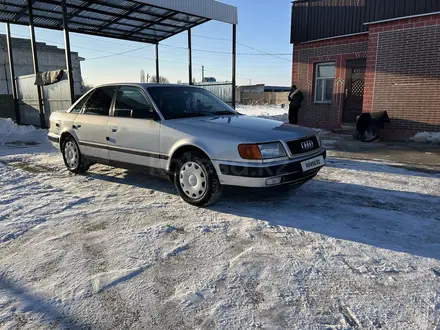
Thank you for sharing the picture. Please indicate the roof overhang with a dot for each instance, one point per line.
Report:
(149, 21)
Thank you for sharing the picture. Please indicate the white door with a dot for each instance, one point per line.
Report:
(134, 130)
(91, 124)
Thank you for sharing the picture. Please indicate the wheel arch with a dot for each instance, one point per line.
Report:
(179, 152)
(63, 137)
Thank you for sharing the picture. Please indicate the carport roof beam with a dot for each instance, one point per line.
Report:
(149, 21)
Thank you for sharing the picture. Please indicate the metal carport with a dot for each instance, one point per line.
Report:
(147, 21)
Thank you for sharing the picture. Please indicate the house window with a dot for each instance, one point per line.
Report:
(324, 82)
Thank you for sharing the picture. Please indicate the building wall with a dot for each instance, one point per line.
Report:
(49, 58)
(403, 74)
(305, 57)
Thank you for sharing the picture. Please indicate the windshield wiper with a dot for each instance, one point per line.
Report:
(224, 112)
(189, 115)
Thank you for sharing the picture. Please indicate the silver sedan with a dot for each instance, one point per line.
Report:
(194, 138)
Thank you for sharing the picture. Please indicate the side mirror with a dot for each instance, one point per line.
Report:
(144, 114)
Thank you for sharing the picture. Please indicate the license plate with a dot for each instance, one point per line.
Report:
(313, 163)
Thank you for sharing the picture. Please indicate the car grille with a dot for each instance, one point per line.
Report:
(304, 145)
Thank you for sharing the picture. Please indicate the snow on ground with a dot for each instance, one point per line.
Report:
(356, 248)
(427, 137)
(275, 112)
(12, 133)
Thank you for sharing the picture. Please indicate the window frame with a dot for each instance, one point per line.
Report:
(147, 97)
(316, 78)
(84, 99)
(110, 111)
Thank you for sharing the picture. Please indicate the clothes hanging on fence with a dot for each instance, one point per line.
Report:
(48, 77)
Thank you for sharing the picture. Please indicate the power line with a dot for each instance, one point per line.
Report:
(241, 44)
(117, 54)
(227, 53)
(126, 53)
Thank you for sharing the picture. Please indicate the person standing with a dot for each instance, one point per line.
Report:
(295, 99)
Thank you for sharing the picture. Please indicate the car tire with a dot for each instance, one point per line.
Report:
(196, 180)
(73, 159)
(371, 134)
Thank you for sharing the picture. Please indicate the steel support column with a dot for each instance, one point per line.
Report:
(12, 72)
(35, 61)
(157, 64)
(234, 62)
(190, 64)
(67, 50)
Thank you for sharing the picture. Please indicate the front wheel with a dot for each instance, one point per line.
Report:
(196, 180)
(73, 159)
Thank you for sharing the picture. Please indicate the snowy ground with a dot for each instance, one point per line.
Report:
(356, 248)
(274, 112)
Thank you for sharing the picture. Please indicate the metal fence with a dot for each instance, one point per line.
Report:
(221, 89)
(56, 97)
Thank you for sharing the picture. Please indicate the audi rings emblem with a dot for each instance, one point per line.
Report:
(307, 145)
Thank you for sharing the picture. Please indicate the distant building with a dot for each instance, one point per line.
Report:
(262, 94)
(209, 79)
(366, 56)
(263, 88)
(49, 58)
(276, 89)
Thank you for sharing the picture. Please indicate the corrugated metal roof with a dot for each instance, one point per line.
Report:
(138, 20)
(203, 8)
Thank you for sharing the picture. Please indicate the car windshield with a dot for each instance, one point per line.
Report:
(185, 102)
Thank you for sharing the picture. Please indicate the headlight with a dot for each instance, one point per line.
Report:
(261, 151)
(272, 150)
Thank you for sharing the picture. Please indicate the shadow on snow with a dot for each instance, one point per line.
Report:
(388, 219)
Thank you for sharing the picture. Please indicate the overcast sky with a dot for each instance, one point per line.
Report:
(263, 25)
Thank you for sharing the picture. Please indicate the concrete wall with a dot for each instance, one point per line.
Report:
(49, 58)
(260, 98)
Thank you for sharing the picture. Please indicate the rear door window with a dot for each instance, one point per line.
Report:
(100, 101)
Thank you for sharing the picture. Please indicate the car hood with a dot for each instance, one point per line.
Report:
(250, 128)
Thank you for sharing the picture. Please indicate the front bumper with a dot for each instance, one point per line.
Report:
(256, 175)
(54, 139)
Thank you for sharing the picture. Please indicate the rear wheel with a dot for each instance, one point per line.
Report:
(73, 159)
(196, 180)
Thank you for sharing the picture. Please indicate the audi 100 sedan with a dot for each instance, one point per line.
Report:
(197, 140)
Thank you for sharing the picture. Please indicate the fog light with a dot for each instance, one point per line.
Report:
(273, 181)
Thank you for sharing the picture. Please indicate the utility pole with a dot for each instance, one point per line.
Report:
(203, 73)
(250, 81)
(148, 77)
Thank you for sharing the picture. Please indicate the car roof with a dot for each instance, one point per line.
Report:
(143, 85)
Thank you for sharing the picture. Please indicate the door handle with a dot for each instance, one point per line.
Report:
(114, 129)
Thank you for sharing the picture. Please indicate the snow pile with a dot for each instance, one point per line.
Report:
(275, 112)
(427, 137)
(13, 133)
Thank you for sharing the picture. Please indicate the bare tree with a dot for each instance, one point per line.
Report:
(85, 87)
(179, 82)
(142, 76)
(162, 80)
